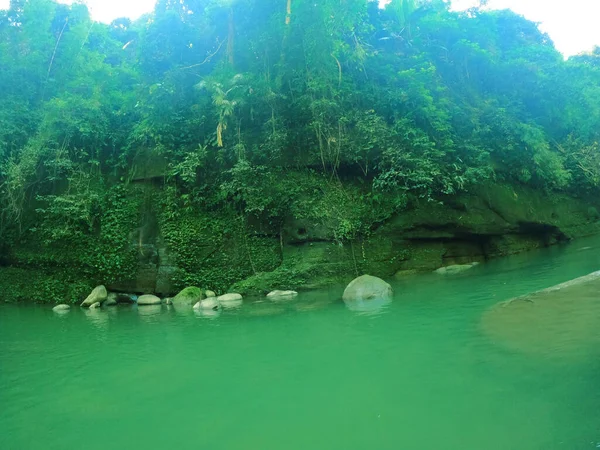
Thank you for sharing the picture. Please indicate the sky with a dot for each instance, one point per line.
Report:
(572, 25)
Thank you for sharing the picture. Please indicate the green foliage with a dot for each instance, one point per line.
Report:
(212, 249)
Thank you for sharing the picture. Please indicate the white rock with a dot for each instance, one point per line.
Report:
(148, 300)
(281, 295)
(208, 303)
(229, 301)
(98, 295)
(59, 308)
(209, 294)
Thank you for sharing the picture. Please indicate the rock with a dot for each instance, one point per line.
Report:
(148, 300)
(208, 303)
(561, 321)
(455, 269)
(98, 295)
(367, 294)
(278, 296)
(111, 300)
(229, 297)
(209, 294)
(188, 297)
(61, 307)
(95, 305)
(367, 287)
(229, 301)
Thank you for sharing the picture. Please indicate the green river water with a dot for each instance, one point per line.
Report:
(310, 374)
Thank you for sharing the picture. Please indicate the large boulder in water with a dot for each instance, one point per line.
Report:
(144, 300)
(559, 321)
(98, 295)
(366, 288)
(188, 297)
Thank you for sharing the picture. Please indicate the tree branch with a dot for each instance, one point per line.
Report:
(207, 59)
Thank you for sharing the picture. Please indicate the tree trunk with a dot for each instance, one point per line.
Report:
(231, 38)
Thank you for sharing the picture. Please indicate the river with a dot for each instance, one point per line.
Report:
(309, 374)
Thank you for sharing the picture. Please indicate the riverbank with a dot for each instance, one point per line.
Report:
(145, 247)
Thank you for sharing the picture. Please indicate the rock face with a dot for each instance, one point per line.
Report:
(148, 300)
(208, 303)
(188, 297)
(279, 296)
(229, 301)
(98, 295)
(561, 321)
(366, 288)
(111, 300)
(455, 269)
(61, 307)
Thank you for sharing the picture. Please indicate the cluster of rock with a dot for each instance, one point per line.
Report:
(192, 296)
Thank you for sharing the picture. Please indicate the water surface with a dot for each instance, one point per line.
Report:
(309, 374)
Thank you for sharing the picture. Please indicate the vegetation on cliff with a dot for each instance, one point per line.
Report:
(222, 117)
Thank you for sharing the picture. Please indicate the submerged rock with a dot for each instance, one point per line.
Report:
(229, 301)
(455, 269)
(61, 308)
(98, 295)
(111, 300)
(188, 296)
(558, 321)
(278, 296)
(263, 310)
(148, 300)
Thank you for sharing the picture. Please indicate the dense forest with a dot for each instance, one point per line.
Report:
(207, 127)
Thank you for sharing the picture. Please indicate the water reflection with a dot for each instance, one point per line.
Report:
(263, 309)
(207, 313)
(371, 306)
(232, 304)
(149, 313)
(97, 317)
